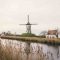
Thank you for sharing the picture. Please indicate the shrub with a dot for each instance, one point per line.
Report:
(28, 35)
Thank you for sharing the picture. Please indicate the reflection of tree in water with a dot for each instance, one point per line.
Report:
(21, 51)
(41, 54)
(51, 55)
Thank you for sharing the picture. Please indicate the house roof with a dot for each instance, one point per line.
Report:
(52, 32)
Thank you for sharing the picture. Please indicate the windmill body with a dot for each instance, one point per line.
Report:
(28, 26)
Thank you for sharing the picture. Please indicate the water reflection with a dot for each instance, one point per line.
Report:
(18, 50)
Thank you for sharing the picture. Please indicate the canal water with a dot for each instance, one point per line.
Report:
(18, 50)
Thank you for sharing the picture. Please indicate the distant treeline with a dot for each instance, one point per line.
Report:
(21, 35)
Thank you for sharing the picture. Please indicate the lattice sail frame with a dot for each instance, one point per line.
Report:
(28, 26)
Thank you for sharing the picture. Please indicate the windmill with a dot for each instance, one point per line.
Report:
(28, 26)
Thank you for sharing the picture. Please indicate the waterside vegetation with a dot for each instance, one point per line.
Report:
(36, 39)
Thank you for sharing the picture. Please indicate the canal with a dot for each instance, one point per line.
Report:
(18, 50)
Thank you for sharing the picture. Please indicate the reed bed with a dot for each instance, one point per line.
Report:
(13, 50)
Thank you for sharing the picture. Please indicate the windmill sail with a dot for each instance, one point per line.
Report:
(22, 24)
(28, 25)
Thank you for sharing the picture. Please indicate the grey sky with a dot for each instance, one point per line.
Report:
(46, 13)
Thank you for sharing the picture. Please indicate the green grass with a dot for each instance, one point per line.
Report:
(53, 41)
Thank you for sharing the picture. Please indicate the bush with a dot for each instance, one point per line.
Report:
(28, 35)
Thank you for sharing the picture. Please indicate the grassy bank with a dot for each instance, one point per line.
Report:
(54, 41)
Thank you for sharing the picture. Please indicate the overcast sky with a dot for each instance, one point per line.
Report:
(45, 13)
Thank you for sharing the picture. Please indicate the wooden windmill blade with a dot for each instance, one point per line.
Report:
(33, 24)
(22, 24)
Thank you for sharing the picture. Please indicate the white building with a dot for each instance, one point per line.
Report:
(52, 34)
